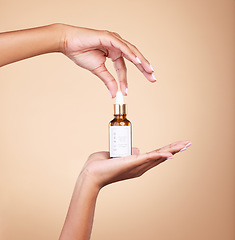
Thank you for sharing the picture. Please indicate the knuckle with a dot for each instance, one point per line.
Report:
(106, 32)
(110, 83)
(133, 46)
(122, 69)
(148, 157)
(140, 173)
(116, 34)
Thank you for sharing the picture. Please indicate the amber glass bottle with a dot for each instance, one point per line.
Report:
(120, 130)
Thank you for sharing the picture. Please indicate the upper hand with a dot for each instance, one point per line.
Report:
(89, 48)
(102, 170)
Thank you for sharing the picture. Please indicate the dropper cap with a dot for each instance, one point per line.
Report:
(120, 106)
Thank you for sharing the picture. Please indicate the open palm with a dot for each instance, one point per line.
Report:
(103, 170)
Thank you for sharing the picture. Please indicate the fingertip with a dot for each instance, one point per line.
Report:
(182, 149)
(170, 156)
(112, 89)
(112, 94)
(188, 144)
(135, 151)
(147, 67)
(151, 67)
(124, 93)
(150, 77)
(154, 78)
(124, 89)
(185, 147)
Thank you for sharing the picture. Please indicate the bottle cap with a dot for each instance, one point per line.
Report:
(119, 107)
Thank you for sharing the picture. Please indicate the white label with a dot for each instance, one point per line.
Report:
(120, 141)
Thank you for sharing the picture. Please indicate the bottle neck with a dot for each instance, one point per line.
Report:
(120, 116)
(120, 109)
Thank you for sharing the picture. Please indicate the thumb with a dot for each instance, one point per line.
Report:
(103, 73)
(135, 151)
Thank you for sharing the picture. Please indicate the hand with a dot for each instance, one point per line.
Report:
(89, 48)
(102, 171)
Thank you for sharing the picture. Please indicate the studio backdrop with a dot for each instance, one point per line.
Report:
(53, 115)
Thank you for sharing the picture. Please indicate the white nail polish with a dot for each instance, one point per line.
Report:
(154, 77)
(151, 68)
(189, 144)
(138, 60)
(170, 157)
(183, 149)
(110, 94)
(126, 91)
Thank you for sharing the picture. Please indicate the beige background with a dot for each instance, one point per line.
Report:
(54, 114)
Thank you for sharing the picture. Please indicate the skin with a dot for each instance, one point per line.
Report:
(100, 171)
(89, 49)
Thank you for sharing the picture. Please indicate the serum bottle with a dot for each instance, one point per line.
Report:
(120, 130)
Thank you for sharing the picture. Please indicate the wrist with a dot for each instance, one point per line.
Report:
(59, 30)
(88, 182)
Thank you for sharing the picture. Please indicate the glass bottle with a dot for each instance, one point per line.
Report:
(120, 141)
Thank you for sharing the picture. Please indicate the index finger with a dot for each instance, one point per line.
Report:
(120, 67)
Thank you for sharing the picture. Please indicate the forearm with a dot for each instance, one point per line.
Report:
(22, 44)
(79, 220)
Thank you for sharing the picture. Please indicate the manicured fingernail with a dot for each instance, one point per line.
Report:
(170, 157)
(151, 68)
(138, 60)
(183, 149)
(110, 95)
(126, 91)
(189, 144)
(154, 77)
